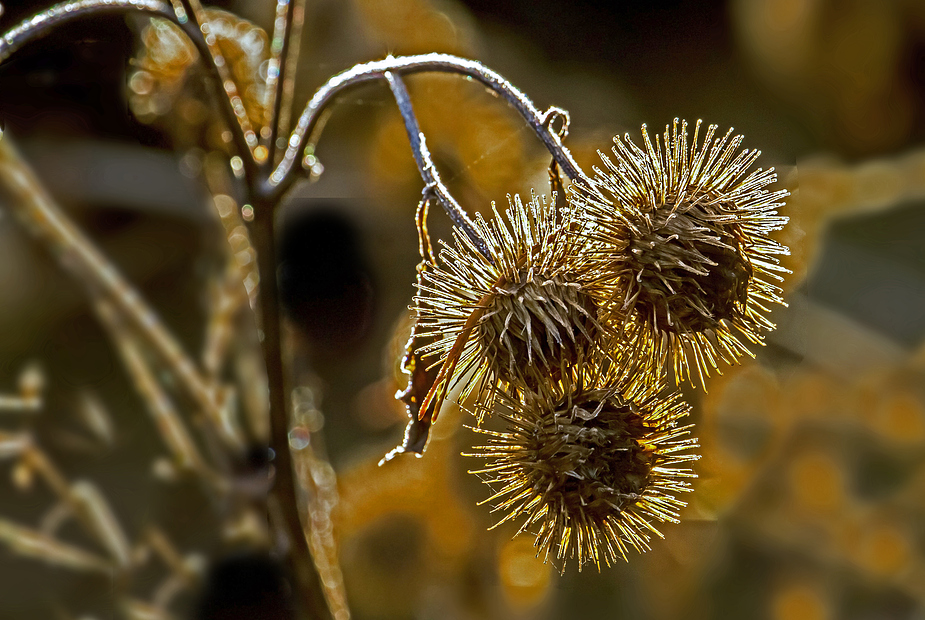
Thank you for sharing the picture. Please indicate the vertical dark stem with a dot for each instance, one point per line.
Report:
(308, 586)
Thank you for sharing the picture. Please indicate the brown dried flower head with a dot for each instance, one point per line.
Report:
(524, 312)
(592, 471)
(679, 231)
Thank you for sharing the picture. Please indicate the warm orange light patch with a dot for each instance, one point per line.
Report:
(817, 482)
(524, 577)
(799, 603)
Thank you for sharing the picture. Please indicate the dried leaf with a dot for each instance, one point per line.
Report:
(420, 378)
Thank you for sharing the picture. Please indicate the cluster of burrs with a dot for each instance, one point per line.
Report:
(565, 319)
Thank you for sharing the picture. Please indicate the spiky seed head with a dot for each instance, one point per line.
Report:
(692, 276)
(535, 316)
(538, 323)
(591, 472)
(679, 232)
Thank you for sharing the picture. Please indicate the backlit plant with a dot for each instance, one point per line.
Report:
(557, 317)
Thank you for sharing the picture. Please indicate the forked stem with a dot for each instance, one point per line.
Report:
(541, 122)
(267, 185)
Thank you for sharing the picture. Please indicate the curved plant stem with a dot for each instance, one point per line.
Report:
(283, 176)
(40, 24)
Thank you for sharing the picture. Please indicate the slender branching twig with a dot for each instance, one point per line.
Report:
(280, 85)
(282, 177)
(30, 202)
(541, 122)
(433, 185)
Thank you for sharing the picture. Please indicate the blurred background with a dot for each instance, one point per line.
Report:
(810, 502)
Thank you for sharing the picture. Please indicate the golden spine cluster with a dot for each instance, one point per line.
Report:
(568, 323)
(679, 233)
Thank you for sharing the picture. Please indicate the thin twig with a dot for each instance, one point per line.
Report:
(85, 503)
(217, 63)
(280, 40)
(170, 556)
(282, 177)
(227, 299)
(93, 508)
(283, 116)
(319, 482)
(30, 543)
(166, 419)
(310, 587)
(433, 184)
(13, 445)
(280, 84)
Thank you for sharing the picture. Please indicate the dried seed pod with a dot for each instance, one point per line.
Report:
(520, 317)
(593, 470)
(680, 233)
(546, 322)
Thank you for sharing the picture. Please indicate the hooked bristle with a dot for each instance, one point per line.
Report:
(536, 328)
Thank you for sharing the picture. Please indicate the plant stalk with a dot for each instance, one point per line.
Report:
(309, 587)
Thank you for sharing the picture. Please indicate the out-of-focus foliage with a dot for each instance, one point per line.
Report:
(854, 67)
